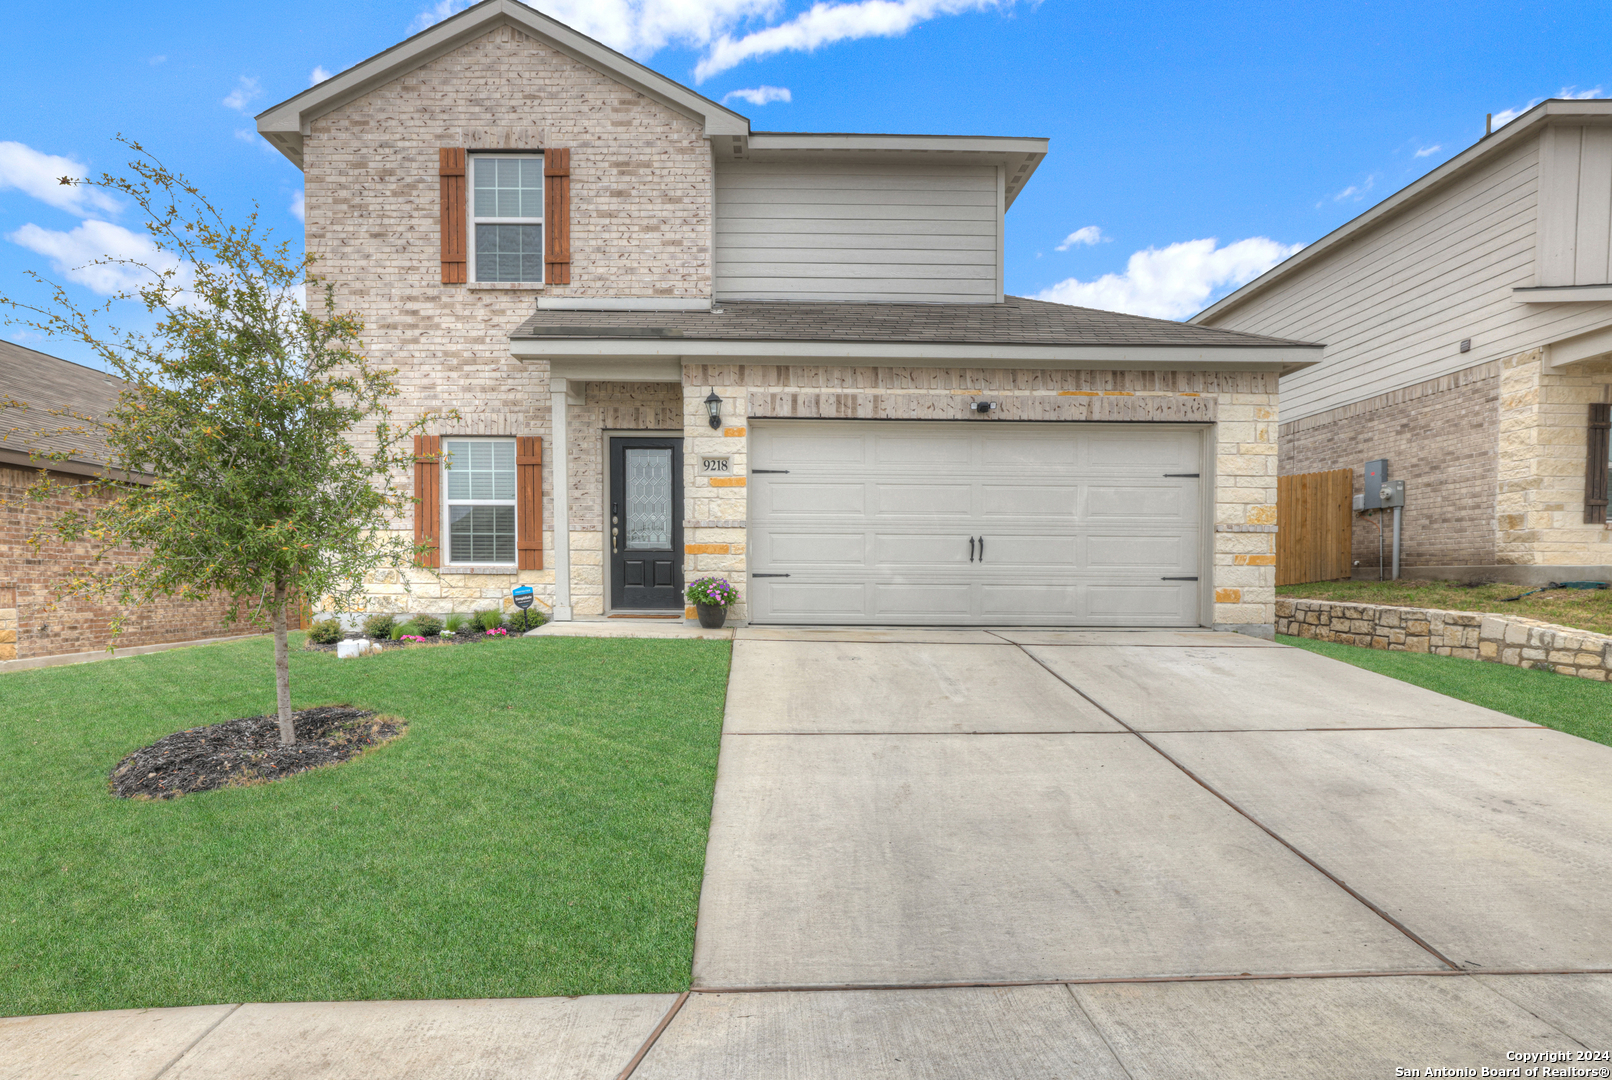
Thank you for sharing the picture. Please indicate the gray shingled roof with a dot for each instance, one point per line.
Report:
(1018, 321)
(45, 383)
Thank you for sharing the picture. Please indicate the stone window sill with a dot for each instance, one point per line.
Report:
(491, 286)
(448, 571)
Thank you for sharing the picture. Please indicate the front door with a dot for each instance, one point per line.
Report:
(646, 523)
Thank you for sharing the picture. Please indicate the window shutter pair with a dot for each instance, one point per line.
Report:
(528, 500)
(1595, 473)
(451, 170)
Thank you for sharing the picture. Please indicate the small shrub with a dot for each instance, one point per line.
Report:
(521, 621)
(325, 632)
(427, 625)
(378, 627)
(455, 622)
(490, 619)
(403, 630)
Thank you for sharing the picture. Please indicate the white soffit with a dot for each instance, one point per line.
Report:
(1562, 294)
(1595, 345)
(1528, 125)
(285, 124)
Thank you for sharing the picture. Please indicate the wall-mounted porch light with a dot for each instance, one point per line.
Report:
(713, 405)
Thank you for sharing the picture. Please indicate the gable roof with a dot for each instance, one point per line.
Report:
(1528, 125)
(45, 383)
(285, 124)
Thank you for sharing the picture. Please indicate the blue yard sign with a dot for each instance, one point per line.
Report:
(523, 597)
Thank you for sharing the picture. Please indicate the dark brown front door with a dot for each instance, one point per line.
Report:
(646, 523)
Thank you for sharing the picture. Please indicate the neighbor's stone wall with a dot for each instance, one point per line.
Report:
(34, 621)
(1544, 428)
(641, 213)
(1242, 406)
(1439, 437)
(1502, 639)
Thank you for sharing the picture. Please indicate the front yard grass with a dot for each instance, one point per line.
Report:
(1581, 707)
(1582, 609)
(540, 829)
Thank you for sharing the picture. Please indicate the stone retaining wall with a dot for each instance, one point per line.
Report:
(1474, 635)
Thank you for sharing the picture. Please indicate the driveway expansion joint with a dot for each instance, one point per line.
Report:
(197, 1041)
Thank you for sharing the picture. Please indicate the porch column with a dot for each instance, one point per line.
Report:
(559, 391)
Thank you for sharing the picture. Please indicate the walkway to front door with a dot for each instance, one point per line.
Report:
(646, 523)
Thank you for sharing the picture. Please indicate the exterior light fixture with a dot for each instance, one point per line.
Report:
(713, 405)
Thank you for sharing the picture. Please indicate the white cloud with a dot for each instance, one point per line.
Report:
(299, 205)
(1086, 236)
(1573, 93)
(246, 135)
(1176, 281)
(761, 95)
(823, 24)
(1427, 151)
(729, 32)
(39, 175)
(246, 91)
(74, 254)
(155, 60)
(318, 75)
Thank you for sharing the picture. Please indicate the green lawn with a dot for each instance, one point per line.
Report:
(540, 830)
(1579, 707)
(1582, 609)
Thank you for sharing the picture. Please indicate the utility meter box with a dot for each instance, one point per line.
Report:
(1376, 473)
(1391, 494)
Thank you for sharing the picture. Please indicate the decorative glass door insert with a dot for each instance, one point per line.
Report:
(649, 498)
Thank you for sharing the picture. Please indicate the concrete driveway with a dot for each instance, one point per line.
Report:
(962, 854)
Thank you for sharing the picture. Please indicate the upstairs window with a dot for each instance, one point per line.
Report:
(480, 502)
(506, 217)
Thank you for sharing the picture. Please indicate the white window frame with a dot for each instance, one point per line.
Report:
(473, 220)
(447, 505)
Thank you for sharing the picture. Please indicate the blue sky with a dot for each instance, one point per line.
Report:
(1192, 143)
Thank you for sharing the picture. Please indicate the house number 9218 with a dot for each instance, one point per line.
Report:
(720, 465)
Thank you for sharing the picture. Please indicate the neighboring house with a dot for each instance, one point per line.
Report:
(47, 434)
(1468, 330)
(781, 358)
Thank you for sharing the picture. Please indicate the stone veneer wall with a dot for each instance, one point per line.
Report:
(35, 622)
(1439, 437)
(1544, 426)
(1243, 408)
(641, 218)
(1502, 639)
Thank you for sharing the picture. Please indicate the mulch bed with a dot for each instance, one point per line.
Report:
(248, 751)
(464, 638)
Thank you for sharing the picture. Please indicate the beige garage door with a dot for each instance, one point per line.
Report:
(974, 522)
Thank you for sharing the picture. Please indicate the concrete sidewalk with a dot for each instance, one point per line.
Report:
(1176, 855)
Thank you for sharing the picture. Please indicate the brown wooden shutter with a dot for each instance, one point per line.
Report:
(451, 179)
(529, 502)
(557, 216)
(428, 490)
(1595, 466)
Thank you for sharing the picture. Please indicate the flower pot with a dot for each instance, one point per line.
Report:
(712, 616)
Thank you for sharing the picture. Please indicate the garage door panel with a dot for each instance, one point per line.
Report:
(812, 548)
(931, 500)
(1178, 502)
(872, 523)
(816, 500)
(1024, 500)
(1166, 554)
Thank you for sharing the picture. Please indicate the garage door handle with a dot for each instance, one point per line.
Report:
(970, 549)
(1183, 475)
(1178, 579)
(982, 549)
(754, 471)
(769, 575)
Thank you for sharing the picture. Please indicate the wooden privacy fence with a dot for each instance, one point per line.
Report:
(1314, 522)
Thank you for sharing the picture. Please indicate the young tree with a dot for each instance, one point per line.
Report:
(241, 404)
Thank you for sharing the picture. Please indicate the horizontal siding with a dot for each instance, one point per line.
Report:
(807, 230)
(1393, 304)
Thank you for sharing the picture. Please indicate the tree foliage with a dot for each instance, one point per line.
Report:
(268, 438)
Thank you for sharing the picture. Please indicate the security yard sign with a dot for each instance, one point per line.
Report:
(523, 596)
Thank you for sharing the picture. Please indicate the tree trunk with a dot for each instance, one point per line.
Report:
(282, 669)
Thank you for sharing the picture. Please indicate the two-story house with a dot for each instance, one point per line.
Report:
(682, 347)
(1468, 329)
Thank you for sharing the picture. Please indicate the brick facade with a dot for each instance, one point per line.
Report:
(34, 623)
(1439, 437)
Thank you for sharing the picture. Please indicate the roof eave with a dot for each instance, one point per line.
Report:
(286, 124)
(1521, 128)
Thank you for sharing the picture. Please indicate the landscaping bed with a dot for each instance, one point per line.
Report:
(248, 751)
(1581, 609)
